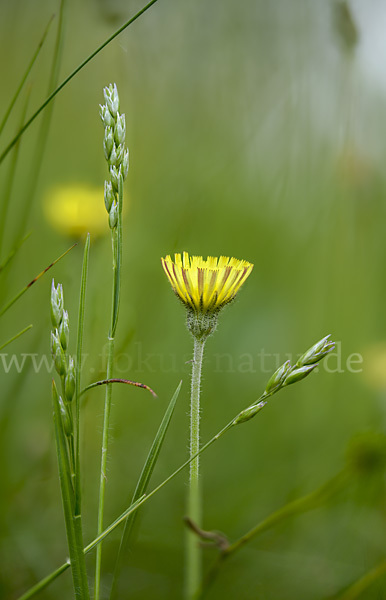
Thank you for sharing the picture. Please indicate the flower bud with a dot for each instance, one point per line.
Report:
(109, 195)
(277, 379)
(69, 385)
(108, 142)
(64, 331)
(120, 130)
(316, 352)
(299, 374)
(56, 304)
(113, 215)
(66, 417)
(112, 99)
(249, 413)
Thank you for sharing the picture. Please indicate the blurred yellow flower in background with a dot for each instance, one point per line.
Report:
(76, 209)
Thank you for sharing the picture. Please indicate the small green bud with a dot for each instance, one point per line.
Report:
(120, 130)
(112, 99)
(66, 417)
(249, 413)
(316, 352)
(277, 378)
(69, 385)
(115, 175)
(125, 164)
(56, 304)
(298, 374)
(113, 215)
(107, 119)
(108, 142)
(64, 331)
(109, 195)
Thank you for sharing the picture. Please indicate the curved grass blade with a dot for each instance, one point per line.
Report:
(75, 72)
(16, 336)
(21, 292)
(143, 483)
(27, 72)
(75, 545)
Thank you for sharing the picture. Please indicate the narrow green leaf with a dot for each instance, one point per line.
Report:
(143, 482)
(14, 250)
(7, 190)
(75, 548)
(68, 79)
(23, 79)
(16, 336)
(34, 280)
(79, 347)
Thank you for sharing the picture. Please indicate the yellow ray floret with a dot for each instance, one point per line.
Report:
(206, 285)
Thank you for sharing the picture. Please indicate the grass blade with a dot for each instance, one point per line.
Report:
(23, 291)
(79, 346)
(75, 72)
(13, 252)
(143, 482)
(11, 176)
(27, 72)
(44, 127)
(16, 336)
(75, 545)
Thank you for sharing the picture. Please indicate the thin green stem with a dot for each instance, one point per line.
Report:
(193, 551)
(117, 252)
(68, 79)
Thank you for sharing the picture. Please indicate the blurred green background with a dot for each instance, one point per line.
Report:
(256, 130)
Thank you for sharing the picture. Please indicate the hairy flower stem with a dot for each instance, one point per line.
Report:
(193, 552)
(116, 242)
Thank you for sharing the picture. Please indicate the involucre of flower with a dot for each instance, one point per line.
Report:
(205, 286)
(66, 417)
(125, 163)
(64, 331)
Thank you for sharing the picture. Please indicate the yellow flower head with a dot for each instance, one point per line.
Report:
(205, 286)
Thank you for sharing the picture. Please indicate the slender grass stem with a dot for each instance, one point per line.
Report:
(116, 239)
(193, 551)
(15, 336)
